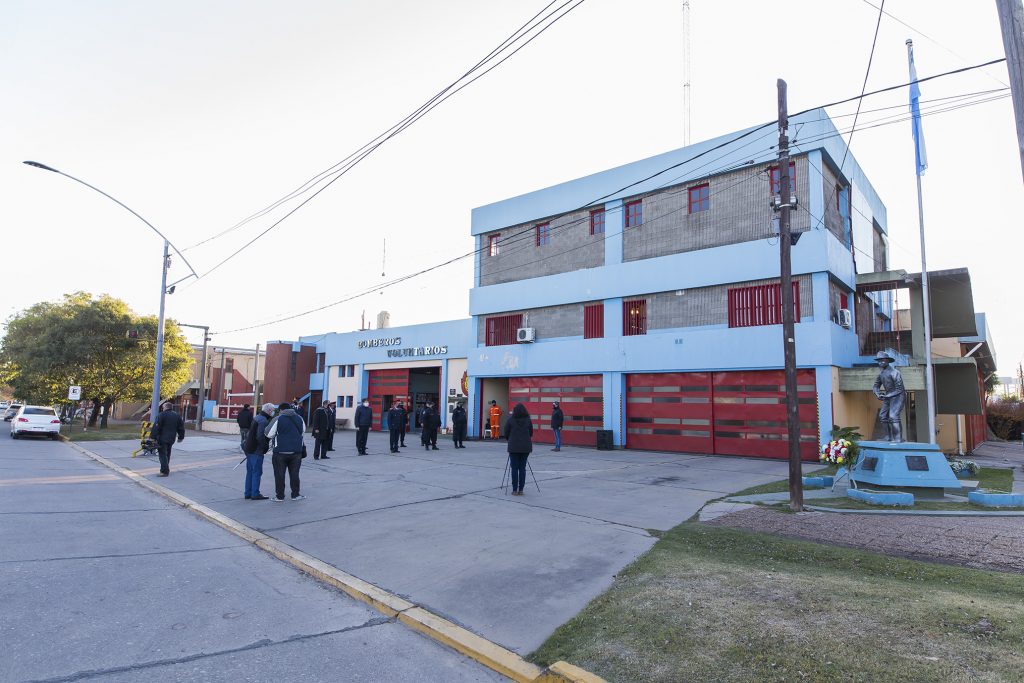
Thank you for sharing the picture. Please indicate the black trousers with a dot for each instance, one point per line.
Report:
(429, 437)
(330, 440)
(320, 446)
(459, 434)
(401, 435)
(164, 451)
(395, 433)
(361, 433)
(517, 463)
(286, 462)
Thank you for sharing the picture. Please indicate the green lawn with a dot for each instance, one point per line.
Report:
(717, 604)
(995, 479)
(782, 486)
(114, 431)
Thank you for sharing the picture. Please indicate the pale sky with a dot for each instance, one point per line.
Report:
(197, 114)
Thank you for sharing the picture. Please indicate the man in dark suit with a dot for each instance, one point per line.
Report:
(321, 425)
(363, 420)
(167, 427)
(333, 425)
(405, 424)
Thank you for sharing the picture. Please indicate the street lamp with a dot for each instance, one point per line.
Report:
(166, 262)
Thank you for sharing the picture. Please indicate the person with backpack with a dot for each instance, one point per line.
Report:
(256, 446)
(285, 434)
(519, 432)
(244, 421)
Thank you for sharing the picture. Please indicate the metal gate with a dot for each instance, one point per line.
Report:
(581, 398)
(669, 412)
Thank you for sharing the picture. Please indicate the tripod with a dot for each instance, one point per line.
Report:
(508, 468)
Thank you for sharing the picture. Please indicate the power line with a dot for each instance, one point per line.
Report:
(864, 86)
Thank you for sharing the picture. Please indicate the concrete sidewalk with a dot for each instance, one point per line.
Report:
(434, 526)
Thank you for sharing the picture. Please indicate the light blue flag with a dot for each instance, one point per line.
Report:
(920, 154)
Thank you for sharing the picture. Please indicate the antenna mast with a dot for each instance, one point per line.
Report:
(686, 72)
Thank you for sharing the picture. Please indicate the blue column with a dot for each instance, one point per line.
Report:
(614, 398)
(442, 400)
(364, 383)
(823, 384)
(614, 220)
(820, 296)
(612, 318)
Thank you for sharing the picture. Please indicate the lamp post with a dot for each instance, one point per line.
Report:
(165, 264)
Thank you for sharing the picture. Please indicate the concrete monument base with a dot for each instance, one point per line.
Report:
(904, 465)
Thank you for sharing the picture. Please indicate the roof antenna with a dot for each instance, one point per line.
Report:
(383, 262)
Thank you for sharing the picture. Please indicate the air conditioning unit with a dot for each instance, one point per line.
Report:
(525, 335)
(845, 317)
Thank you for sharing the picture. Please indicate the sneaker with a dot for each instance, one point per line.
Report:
(259, 496)
(299, 497)
(277, 500)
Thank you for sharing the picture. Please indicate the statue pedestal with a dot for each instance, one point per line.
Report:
(906, 465)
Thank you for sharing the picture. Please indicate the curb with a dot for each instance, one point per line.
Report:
(443, 631)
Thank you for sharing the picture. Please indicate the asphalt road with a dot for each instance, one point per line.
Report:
(103, 580)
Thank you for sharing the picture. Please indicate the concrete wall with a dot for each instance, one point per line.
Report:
(833, 220)
(550, 321)
(709, 305)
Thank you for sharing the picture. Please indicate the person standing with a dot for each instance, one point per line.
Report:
(363, 420)
(285, 432)
(405, 424)
(244, 421)
(430, 421)
(321, 425)
(557, 420)
(167, 427)
(256, 446)
(519, 432)
(297, 407)
(332, 425)
(495, 415)
(459, 423)
(396, 425)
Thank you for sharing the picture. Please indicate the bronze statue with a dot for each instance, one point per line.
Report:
(889, 390)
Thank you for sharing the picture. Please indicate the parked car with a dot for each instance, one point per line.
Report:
(40, 420)
(4, 405)
(11, 410)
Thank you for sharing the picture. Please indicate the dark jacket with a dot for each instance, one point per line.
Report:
(429, 420)
(519, 430)
(321, 422)
(257, 437)
(364, 416)
(557, 418)
(286, 430)
(167, 427)
(332, 414)
(459, 417)
(244, 418)
(396, 419)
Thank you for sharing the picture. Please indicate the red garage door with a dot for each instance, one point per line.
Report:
(386, 386)
(581, 399)
(726, 413)
(669, 412)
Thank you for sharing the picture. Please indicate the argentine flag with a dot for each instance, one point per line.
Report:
(920, 153)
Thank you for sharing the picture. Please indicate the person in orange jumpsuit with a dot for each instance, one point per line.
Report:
(495, 414)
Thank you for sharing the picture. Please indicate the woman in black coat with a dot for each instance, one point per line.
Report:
(519, 432)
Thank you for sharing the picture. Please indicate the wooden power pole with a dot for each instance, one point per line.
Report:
(784, 204)
(1011, 20)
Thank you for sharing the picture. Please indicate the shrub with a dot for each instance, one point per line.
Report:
(1005, 418)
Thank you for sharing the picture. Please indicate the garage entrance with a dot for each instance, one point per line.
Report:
(581, 398)
(724, 413)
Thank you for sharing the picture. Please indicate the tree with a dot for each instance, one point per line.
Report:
(84, 340)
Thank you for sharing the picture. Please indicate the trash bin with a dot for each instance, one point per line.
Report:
(604, 440)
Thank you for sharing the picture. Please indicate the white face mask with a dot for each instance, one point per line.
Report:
(366, 404)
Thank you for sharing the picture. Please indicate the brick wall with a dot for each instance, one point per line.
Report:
(550, 322)
(287, 373)
(739, 212)
(572, 247)
(708, 305)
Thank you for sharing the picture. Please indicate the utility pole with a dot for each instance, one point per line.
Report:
(1011, 20)
(154, 405)
(784, 205)
(256, 382)
(221, 383)
(202, 373)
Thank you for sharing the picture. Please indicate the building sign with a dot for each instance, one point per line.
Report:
(418, 351)
(375, 343)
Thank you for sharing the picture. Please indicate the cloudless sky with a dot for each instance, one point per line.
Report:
(196, 114)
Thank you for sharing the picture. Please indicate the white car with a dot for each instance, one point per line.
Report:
(41, 420)
(4, 405)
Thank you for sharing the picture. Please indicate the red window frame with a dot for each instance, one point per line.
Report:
(634, 213)
(492, 245)
(760, 305)
(501, 329)
(844, 300)
(634, 317)
(597, 221)
(699, 198)
(773, 173)
(593, 321)
(542, 234)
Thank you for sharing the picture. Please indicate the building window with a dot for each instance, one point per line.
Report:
(760, 305)
(597, 222)
(593, 321)
(229, 365)
(501, 329)
(634, 317)
(700, 198)
(543, 234)
(348, 401)
(492, 245)
(774, 173)
(346, 371)
(634, 213)
(351, 371)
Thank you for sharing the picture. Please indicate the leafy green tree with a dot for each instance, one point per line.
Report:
(84, 340)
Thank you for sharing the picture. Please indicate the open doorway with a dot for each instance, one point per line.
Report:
(424, 386)
(492, 389)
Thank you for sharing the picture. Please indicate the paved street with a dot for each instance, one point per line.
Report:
(435, 527)
(103, 580)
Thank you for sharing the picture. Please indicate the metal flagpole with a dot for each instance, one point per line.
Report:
(921, 159)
